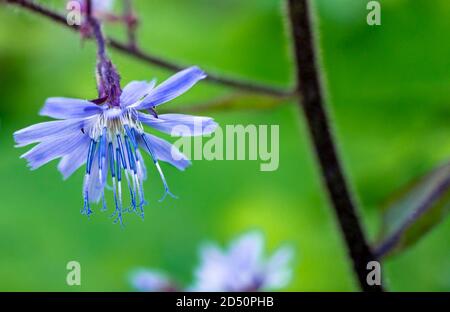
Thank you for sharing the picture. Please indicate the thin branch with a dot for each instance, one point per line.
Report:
(313, 105)
(391, 242)
(151, 59)
(55, 16)
(234, 102)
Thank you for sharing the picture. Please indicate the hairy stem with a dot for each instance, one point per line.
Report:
(98, 35)
(151, 59)
(108, 80)
(313, 106)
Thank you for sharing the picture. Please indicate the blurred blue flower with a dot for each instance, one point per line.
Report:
(108, 135)
(102, 5)
(99, 7)
(243, 266)
(147, 280)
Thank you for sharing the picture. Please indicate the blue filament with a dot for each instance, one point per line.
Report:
(131, 158)
(102, 149)
(161, 174)
(111, 159)
(119, 168)
(130, 134)
(122, 153)
(90, 157)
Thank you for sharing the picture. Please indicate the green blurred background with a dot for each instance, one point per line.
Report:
(388, 96)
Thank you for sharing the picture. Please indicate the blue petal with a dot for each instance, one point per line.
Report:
(135, 91)
(66, 108)
(277, 268)
(166, 152)
(247, 251)
(172, 87)
(102, 6)
(52, 149)
(71, 162)
(149, 280)
(214, 271)
(179, 124)
(47, 130)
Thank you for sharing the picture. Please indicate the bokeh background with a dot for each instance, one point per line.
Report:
(388, 97)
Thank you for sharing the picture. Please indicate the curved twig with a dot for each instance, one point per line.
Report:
(152, 59)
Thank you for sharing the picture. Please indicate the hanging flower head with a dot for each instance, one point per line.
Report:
(107, 135)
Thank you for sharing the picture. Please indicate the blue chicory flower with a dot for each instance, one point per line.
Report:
(243, 266)
(108, 136)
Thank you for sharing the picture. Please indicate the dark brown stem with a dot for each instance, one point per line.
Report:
(313, 106)
(151, 59)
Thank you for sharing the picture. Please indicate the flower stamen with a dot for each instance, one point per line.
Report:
(161, 174)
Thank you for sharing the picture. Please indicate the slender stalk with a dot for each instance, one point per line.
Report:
(108, 80)
(151, 59)
(98, 35)
(313, 106)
